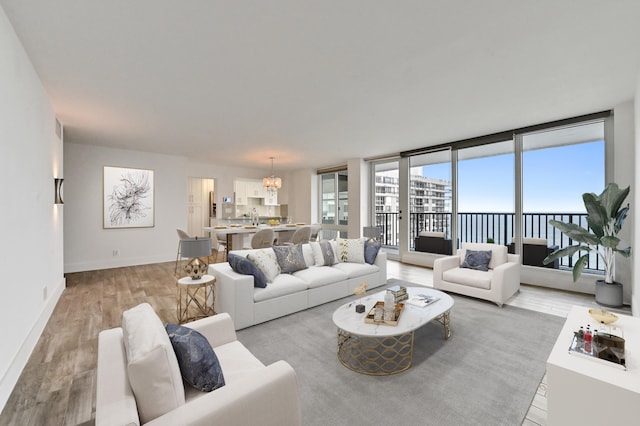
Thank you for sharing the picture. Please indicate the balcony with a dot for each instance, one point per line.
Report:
(480, 227)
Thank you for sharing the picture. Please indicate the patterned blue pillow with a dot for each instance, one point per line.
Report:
(290, 258)
(477, 259)
(198, 362)
(371, 249)
(244, 266)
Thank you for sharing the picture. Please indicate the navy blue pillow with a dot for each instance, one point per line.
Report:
(198, 362)
(477, 259)
(244, 266)
(371, 249)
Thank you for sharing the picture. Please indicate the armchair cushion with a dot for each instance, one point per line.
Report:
(477, 259)
(290, 258)
(244, 266)
(498, 252)
(154, 374)
(198, 362)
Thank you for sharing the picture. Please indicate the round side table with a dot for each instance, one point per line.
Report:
(190, 296)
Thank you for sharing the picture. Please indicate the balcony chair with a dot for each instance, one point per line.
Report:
(148, 388)
(432, 242)
(497, 284)
(534, 250)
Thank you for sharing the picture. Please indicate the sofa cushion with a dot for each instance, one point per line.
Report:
(431, 234)
(476, 259)
(265, 260)
(371, 249)
(282, 285)
(152, 366)
(290, 258)
(354, 270)
(244, 266)
(469, 277)
(323, 254)
(198, 362)
(351, 250)
(498, 252)
(318, 276)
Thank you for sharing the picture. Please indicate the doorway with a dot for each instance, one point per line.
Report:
(201, 205)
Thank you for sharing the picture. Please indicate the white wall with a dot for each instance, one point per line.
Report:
(635, 213)
(89, 247)
(32, 226)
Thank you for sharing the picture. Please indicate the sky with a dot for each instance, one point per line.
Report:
(554, 179)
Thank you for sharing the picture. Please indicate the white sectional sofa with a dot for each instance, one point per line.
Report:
(288, 293)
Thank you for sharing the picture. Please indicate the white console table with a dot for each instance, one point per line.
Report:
(585, 391)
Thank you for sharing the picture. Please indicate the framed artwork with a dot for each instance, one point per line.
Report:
(128, 198)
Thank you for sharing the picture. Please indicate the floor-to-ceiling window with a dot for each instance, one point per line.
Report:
(502, 187)
(386, 202)
(334, 190)
(430, 205)
(486, 193)
(558, 166)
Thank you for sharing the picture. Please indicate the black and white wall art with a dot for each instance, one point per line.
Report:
(128, 198)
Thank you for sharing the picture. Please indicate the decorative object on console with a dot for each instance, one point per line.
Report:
(57, 184)
(605, 216)
(272, 183)
(360, 291)
(195, 249)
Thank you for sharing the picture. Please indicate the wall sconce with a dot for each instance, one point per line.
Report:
(57, 183)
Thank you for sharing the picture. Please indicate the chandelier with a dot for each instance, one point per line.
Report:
(272, 183)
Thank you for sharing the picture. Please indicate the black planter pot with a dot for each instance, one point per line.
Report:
(609, 295)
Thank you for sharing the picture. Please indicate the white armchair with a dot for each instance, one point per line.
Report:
(253, 393)
(497, 285)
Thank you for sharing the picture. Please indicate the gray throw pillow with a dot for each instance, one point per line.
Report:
(290, 258)
(477, 259)
(244, 266)
(198, 362)
(371, 249)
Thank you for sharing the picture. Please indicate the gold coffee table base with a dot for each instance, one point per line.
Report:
(376, 356)
(383, 355)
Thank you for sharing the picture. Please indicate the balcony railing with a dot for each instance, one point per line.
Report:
(481, 227)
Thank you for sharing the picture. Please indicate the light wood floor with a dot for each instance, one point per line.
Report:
(58, 384)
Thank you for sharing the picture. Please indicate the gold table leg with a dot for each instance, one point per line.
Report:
(445, 320)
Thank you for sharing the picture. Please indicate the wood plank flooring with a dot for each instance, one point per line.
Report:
(58, 384)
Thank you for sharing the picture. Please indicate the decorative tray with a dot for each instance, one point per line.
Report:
(369, 318)
(219, 227)
(601, 315)
(250, 227)
(291, 225)
(604, 348)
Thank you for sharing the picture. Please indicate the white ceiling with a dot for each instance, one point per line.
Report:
(314, 83)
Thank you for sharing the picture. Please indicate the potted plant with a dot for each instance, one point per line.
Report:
(605, 217)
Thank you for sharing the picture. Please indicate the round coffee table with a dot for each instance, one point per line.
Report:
(379, 349)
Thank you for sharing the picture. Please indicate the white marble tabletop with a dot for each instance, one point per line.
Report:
(412, 317)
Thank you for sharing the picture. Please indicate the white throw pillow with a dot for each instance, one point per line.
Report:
(351, 250)
(267, 262)
(323, 253)
(336, 251)
(152, 366)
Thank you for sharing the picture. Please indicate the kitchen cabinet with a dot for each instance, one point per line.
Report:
(270, 198)
(240, 189)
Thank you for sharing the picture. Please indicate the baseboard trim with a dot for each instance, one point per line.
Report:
(12, 374)
(116, 263)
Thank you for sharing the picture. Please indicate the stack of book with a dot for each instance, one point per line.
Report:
(399, 293)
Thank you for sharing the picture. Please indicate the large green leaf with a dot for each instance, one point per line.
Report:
(610, 241)
(565, 251)
(578, 267)
(596, 214)
(576, 232)
(612, 198)
(624, 252)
